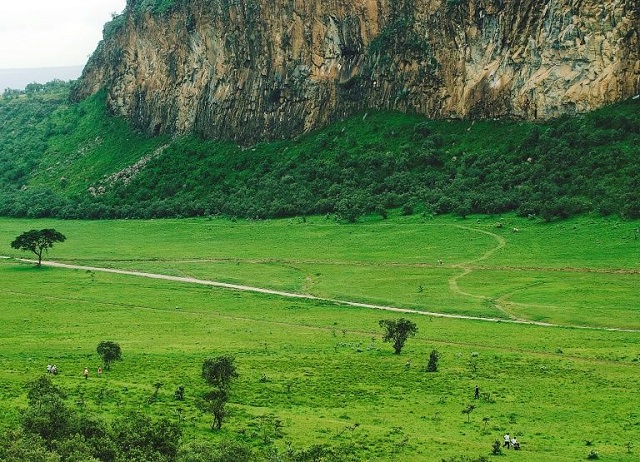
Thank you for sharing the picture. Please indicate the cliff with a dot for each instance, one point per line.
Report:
(255, 69)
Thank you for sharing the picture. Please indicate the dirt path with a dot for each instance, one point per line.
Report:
(224, 285)
(468, 268)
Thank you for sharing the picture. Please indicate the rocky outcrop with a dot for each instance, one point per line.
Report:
(255, 69)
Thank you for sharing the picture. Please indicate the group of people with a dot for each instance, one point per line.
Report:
(85, 372)
(53, 369)
(511, 442)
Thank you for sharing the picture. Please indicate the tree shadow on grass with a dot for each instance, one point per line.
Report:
(24, 267)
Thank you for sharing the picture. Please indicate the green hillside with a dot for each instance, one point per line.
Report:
(74, 160)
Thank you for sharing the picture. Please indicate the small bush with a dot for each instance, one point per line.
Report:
(593, 455)
(407, 209)
(434, 357)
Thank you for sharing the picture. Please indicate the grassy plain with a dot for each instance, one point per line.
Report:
(320, 367)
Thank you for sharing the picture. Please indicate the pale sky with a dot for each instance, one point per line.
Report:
(52, 33)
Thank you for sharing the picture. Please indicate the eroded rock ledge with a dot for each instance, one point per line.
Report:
(259, 69)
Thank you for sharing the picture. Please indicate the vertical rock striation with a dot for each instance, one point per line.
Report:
(256, 69)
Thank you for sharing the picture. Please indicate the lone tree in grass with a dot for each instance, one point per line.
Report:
(218, 372)
(398, 331)
(109, 352)
(468, 410)
(38, 241)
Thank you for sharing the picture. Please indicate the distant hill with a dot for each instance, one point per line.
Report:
(20, 78)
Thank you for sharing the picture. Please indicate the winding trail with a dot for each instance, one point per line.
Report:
(467, 269)
(245, 288)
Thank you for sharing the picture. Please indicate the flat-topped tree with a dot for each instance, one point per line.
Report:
(38, 241)
(397, 331)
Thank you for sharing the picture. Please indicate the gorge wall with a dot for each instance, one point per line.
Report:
(258, 69)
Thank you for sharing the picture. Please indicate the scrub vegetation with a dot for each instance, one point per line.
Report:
(73, 160)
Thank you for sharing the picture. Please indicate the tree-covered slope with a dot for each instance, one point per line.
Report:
(75, 160)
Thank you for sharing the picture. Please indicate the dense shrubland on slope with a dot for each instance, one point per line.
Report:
(73, 160)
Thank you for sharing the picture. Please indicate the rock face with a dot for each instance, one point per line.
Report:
(256, 69)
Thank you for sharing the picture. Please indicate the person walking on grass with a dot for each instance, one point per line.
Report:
(476, 392)
(507, 441)
(85, 372)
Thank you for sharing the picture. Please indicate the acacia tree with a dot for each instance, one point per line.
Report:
(398, 331)
(38, 241)
(109, 352)
(218, 372)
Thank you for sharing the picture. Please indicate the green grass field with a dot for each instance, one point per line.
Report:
(320, 367)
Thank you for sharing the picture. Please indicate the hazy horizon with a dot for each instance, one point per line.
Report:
(19, 78)
(44, 34)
